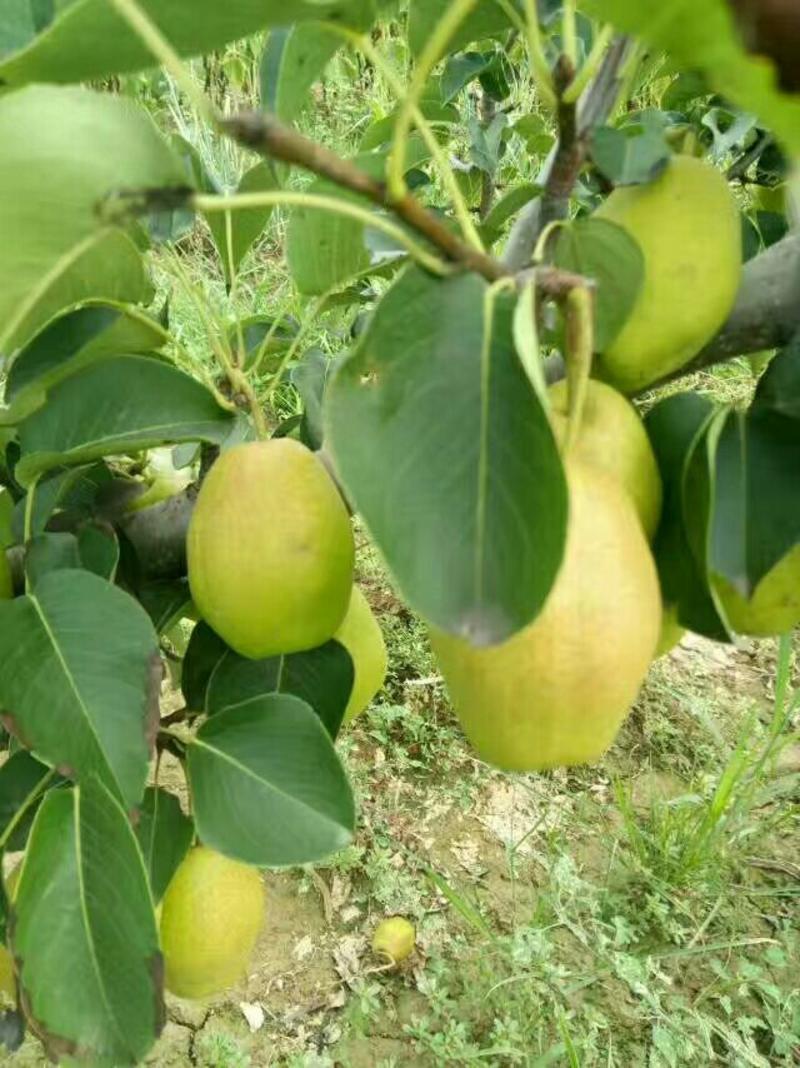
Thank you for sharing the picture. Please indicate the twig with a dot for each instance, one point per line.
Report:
(570, 153)
(739, 167)
(265, 135)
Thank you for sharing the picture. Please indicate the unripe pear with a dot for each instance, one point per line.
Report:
(362, 638)
(686, 223)
(612, 437)
(774, 607)
(211, 917)
(394, 939)
(557, 692)
(270, 550)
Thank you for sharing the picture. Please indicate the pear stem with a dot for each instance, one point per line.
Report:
(578, 312)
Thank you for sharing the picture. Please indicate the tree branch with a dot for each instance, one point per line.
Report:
(594, 107)
(268, 137)
(570, 153)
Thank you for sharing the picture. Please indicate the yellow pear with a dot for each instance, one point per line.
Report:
(557, 692)
(686, 223)
(671, 630)
(774, 607)
(612, 437)
(362, 638)
(394, 939)
(270, 550)
(211, 916)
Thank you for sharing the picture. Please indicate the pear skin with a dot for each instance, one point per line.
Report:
(686, 223)
(557, 692)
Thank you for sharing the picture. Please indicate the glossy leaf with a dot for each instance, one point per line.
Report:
(267, 785)
(90, 40)
(460, 70)
(73, 493)
(294, 59)
(91, 144)
(629, 155)
(99, 549)
(310, 378)
(68, 343)
(165, 602)
(506, 207)
(440, 441)
(79, 678)
(50, 552)
(90, 968)
(128, 403)
(676, 426)
(164, 835)
(603, 251)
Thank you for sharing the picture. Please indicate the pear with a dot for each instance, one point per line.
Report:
(557, 692)
(774, 607)
(211, 916)
(686, 223)
(270, 550)
(612, 437)
(362, 638)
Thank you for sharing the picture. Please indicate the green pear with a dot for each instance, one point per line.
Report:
(612, 437)
(270, 550)
(774, 607)
(557, 692)
(686, 223)
(362, 638)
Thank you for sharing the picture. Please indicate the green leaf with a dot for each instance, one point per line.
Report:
(676, 426)
(506, 208)
(128, 403)
(165, 602)
(70, 342)
(72, 492)
(310, 378)
(234, 239)
(164, 835)
(254, 331)
(89, 40)
(705, 38)
(441, 442)
(215, 678)
(50, 552)
(755, 520)
(79, 678)
(294, 59)
(99, 549)
(631, 154)
(601, 250)
(84, 931)
(91, 144)
(321, 677)
(442, 117)
(267, 785)
(462, 69)
(23, 778)
(487, 20)
(533, 131)
(728, 129)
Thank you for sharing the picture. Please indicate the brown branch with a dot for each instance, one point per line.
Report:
(265, 135)
(570, 152)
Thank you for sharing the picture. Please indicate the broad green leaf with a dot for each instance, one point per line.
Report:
(603, 251)
(629, 155)
(23, 780)
(676, 426)
(322, 677)
(107, 266)
(447, 453)
(20, 23)
(79, 678)
(128, 403)
(70, 342)
(267, 785)
(235, 232)
(704, 37)
(165, 602)
(294, 59)
(263, 340)
(460, 70)
(88, 145)
(486, 20)
(216, 678)
(99, 549)
(90, 40)
(52, 551)
(310, 378)
(440, 116)
(84, 931)
(533, 131)
(755, 520)
(73, 493)
(164, 834)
